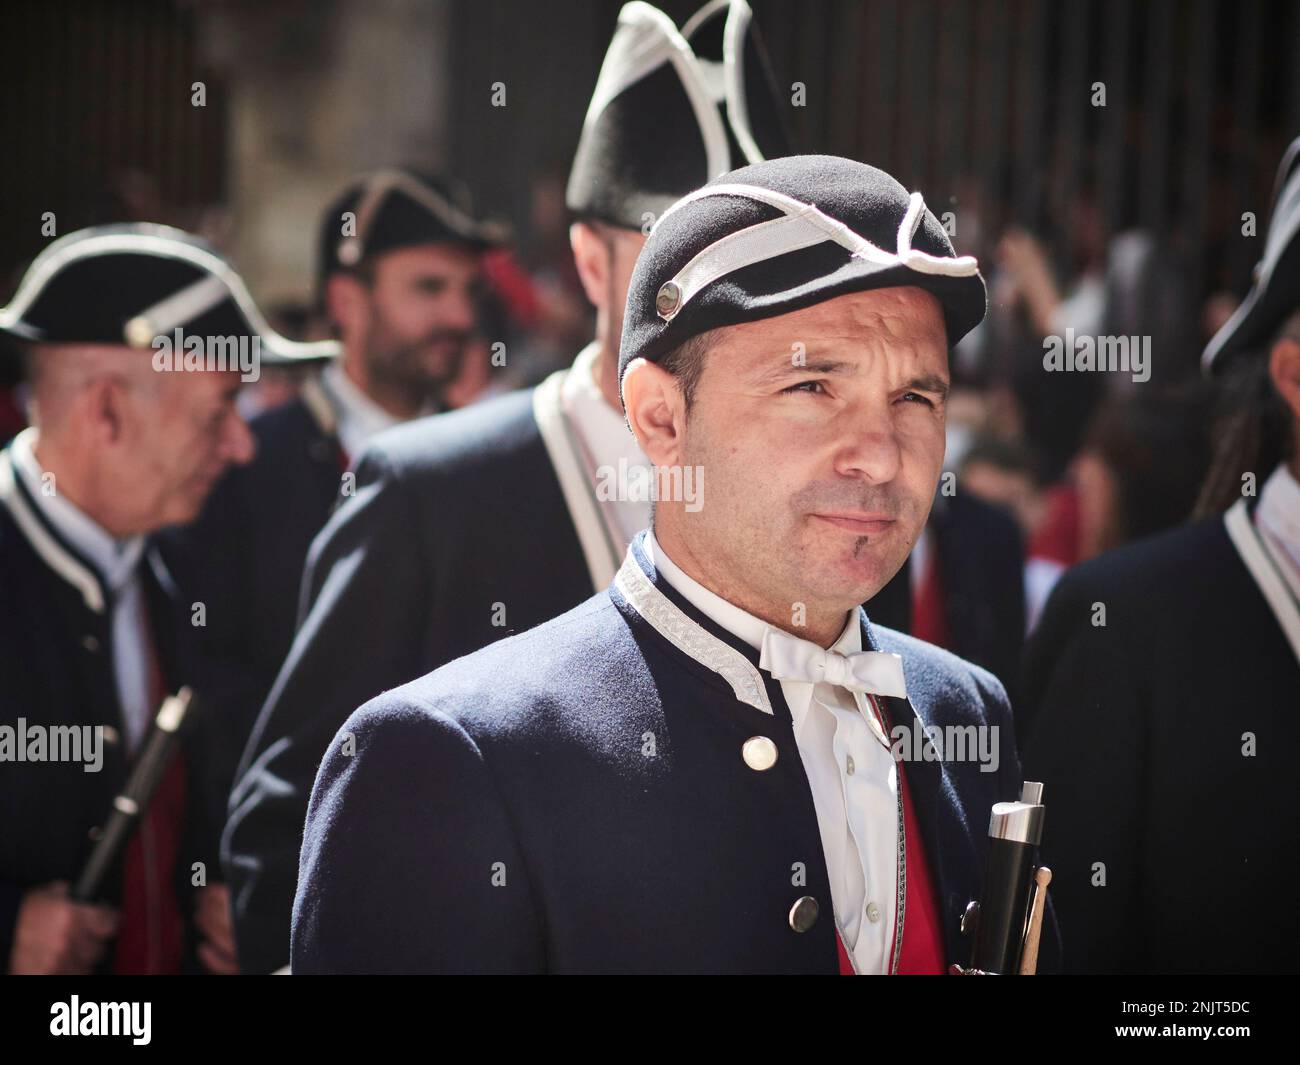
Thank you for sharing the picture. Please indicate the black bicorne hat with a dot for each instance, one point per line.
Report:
(394, 208)
(782, 235)
(672, 109)
(1275, 294)
(129, 284)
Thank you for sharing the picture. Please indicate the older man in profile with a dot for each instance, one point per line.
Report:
(125, 439)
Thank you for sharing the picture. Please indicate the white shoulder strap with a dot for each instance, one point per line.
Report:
(1263, 568)
(601, 554)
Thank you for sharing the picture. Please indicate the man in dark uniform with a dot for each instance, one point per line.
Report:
(704, 768)
(1163, 683)
(479, 523)
(399, 268)
(131, 428)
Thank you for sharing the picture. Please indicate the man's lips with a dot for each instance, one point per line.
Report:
(862, 524)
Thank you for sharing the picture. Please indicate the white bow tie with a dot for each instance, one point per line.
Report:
(787, 657)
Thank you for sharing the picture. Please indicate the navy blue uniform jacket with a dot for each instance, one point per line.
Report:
(243, 559)
(574, 799)
(453, 515)
(1140, 727)
(56, 669)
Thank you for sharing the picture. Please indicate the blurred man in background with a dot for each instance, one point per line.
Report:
(95, 634)
(1160, 690)
(399, 272)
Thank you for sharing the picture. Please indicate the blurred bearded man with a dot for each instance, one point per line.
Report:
(399, 269)
(126, 437)
(706, 767)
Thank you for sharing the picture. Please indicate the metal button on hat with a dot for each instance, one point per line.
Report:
(670, 295)
(759, 753)
(138, 332)
(803, 914)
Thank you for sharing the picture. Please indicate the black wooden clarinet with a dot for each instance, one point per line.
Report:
(160, 746)
(1007, 920)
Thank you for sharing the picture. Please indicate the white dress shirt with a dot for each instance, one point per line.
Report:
(358, 416)
(606, 439)
(1278, 519)
(118, 564)
(852, 774)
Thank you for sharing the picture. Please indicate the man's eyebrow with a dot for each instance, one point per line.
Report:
(788, 367)
(929, 383)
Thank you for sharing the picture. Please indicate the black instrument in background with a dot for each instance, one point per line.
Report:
(156, 754)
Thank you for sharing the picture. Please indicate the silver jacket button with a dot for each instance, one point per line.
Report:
(759, 753)
(803, 914)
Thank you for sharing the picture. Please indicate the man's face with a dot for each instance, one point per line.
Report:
(420, 314)
(179, 433)
(821, 436)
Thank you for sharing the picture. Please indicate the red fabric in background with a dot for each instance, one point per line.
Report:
(150, 937)
(929, 619)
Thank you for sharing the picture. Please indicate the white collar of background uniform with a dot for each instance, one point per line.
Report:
(736, 621)
(116, 560)
(607, 443)
(1278, 519)
(357, 416)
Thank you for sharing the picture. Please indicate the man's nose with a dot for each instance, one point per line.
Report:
(872, 449)
(238, 445)
(460, 311)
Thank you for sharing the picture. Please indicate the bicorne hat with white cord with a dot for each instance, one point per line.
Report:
(126, 285)
(671, 109)
(782, 235)
(1275, 294)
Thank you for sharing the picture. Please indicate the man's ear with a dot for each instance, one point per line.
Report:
(656, 411)
(1284, 369)
(591, 257)
(106, 400)
(347, 303)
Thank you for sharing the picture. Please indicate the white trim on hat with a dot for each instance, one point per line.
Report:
(377, 187)
(738, 20)
(159, 242)
(176, 310)
(1284, 228)
(802, 225)
(702, 16)
(643, 39)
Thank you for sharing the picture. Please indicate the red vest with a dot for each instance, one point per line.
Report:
(150, 937)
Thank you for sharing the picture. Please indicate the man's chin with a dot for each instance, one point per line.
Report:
(855, 574)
